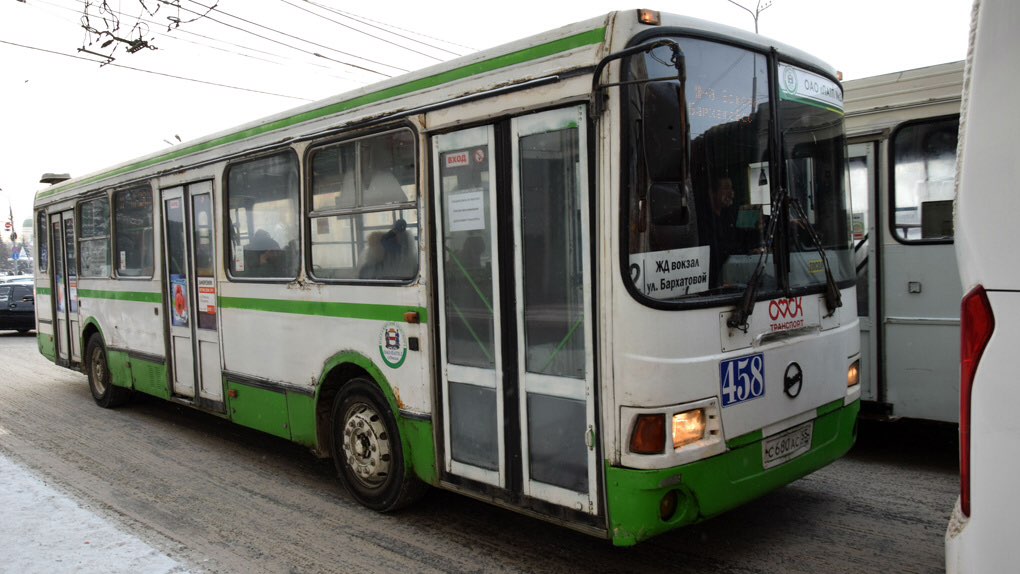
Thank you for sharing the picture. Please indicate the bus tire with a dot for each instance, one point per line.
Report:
(367, 449)
(104, 392)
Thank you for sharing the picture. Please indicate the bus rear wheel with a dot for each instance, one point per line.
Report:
(367, 450)
(104, 392)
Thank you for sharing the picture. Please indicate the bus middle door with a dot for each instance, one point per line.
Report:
(189, 273)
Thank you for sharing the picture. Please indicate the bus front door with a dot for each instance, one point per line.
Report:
(189, 274)
(867, 237)
(515, 309)
(65, 288)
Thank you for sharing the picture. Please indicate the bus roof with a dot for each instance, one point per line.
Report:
(878, 102)
(574, 46)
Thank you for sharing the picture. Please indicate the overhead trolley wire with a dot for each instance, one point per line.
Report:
(338, 23)
(296, 38)
(384, 26)
(228, 86)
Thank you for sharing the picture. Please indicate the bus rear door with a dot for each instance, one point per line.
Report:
(65, 287)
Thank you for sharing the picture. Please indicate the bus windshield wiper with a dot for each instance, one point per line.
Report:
(738, 319)
(833, 298)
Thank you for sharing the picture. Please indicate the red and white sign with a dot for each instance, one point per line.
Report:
(7, 226)
(457, 159)
(207, 295)
(786, 313)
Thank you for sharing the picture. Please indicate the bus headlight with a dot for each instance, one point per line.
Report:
(688, 427)
(853, 374)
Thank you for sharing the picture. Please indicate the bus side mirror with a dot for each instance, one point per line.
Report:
(668, 204)
(665, 135)
(665, 132)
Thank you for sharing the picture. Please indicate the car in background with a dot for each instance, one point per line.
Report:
(17, 307)
(17, 279)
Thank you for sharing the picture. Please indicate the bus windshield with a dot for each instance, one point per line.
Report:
(814, 152)
(697, 174)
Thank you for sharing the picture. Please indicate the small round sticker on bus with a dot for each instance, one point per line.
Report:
(391, 345)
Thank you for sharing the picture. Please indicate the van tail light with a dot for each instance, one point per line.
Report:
(976, 326)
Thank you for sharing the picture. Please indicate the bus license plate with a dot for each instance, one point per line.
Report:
(787, 445)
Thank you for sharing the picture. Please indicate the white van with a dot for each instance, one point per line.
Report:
(982, 534)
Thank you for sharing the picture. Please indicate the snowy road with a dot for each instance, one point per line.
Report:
(189, 491)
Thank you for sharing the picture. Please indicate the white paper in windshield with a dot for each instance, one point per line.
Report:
(671, 273)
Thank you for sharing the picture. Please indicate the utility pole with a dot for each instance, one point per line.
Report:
(757, 10)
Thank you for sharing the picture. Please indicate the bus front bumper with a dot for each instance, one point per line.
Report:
(712, 486)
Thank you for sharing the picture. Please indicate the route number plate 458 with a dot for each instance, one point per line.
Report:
(787, 445)
(742, 379)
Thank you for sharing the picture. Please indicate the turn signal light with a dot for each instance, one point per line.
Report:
(650, 17)
(688, 427)
(853, 374)
(649, 434)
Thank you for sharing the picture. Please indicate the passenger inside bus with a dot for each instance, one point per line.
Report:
(263, 256)
(389, 255)
(730, 229)
(379, 185)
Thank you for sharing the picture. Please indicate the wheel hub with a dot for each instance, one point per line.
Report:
(366, 445)
(98, 371)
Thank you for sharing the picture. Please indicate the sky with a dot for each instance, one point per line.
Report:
(66, 115)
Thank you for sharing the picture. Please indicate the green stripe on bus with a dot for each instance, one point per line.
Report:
(829, 407)
(757, 435)
(323, 309)
(716, 484)
(137, 296)
(562, 45)
(43, 290)
(810, 102)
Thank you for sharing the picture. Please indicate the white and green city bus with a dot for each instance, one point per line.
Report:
(601, 276)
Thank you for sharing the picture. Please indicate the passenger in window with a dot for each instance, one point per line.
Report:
(730, 232)
(378, 183)
(389, 255)
(263, 255)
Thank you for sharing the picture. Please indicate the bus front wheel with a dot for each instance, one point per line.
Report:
(367, 451)
(104, 392)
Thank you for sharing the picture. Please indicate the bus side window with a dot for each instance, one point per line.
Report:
(262, 201)
(132, 237)
(924, 157)
(364, 212)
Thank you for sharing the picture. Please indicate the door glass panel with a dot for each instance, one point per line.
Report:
(557, 451)
(553, 276)
(58, 270)
(467, 246)
(202, 239)
(42, 252)
(72, 266)
(860, 188)
(177, 266)
(473, 435)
